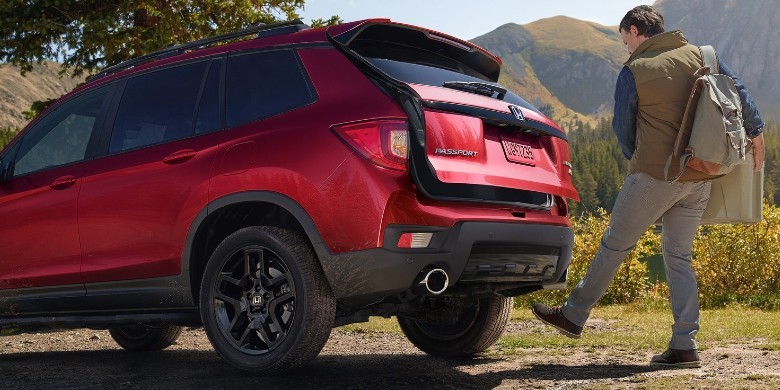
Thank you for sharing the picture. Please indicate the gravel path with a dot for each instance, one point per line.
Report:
(81, 359)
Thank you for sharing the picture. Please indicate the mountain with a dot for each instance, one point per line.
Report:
(575, 77)
(564, 66)
(571, 65)
(741, 32)
(18, 92)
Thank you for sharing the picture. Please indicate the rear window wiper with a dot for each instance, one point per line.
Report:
(478, 88)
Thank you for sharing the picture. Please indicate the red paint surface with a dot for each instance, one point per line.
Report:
(127, 216)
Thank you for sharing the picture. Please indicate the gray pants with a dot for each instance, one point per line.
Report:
(641, 202)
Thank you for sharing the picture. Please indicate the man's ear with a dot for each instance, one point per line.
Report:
(633, 30)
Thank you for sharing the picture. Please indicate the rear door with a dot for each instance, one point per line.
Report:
(138, 201)
(470, 138)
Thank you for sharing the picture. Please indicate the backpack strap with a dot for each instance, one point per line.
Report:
(710, 58)
(684, 159)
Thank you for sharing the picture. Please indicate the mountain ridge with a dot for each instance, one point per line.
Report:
(565, 66)
(576, 76)
(17, 92)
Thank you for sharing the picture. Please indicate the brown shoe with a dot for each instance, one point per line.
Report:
(680, 358)
(554, 317)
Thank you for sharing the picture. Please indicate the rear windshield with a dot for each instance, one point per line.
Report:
(428, 75)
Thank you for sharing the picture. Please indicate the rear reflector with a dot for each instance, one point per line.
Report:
(383, 142)
(399, 143)
(415, 240)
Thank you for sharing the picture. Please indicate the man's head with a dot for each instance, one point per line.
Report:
(640, 23)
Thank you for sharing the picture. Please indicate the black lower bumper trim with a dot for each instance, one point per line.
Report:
(524, 255)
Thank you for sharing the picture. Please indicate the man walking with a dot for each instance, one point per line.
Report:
(650, 98)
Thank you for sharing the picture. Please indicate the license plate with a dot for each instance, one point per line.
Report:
(519, 153)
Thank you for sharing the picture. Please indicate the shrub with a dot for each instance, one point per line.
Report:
(740, 263)
(733, 263)
(6, 134)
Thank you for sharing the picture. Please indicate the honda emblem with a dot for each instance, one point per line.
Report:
(515, 110)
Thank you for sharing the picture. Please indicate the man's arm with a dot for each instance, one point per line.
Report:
(758, 152)
(626, 107)
(754, 125)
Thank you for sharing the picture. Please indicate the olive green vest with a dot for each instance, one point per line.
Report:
(663, 67)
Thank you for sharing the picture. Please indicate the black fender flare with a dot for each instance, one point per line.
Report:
(271, 197)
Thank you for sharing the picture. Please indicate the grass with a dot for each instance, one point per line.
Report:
(630, 328)
(750, 382)
(637, 327)
(374, 325)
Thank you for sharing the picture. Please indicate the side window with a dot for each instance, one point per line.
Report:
(62, 136)
(262, 84)
(157, 107)
(208, 109)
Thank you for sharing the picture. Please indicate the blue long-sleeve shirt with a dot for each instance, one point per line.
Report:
(627, 105)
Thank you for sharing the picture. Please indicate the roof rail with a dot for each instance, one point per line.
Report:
(261, 29)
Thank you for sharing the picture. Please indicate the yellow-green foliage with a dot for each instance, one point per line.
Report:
(6, 134)
(733, 264)
(739, 263)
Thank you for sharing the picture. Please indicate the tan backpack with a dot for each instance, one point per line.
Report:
(712, 137)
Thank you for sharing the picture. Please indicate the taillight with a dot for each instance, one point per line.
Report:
(383, 142)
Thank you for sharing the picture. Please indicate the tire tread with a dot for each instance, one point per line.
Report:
(317, 314)
(484, 333)
(158, 339)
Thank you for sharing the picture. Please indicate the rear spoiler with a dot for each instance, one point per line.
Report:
(385, 38)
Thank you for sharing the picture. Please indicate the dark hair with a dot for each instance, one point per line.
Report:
(646, 20)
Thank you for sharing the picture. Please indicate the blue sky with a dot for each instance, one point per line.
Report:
(469, 19)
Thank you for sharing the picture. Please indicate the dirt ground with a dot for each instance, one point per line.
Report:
(89, 359)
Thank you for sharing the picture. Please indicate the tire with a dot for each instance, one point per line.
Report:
(476, 324)
(265, 303)
(145, 338)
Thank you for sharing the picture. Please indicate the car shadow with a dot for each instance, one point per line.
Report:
(184, 369)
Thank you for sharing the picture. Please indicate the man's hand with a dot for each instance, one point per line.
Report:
(758, 152)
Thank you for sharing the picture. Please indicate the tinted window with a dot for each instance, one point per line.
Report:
(208, 110)
(263, 84)
(158, 107)
(62, 136)
(429, 75)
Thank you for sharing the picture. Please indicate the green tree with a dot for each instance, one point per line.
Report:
(86, 35)
(598, 166)
(6, 134)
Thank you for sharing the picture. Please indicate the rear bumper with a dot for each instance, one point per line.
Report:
(503, 255)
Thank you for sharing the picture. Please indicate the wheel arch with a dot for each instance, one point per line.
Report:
(229, 213)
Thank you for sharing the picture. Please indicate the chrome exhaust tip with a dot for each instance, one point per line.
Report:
(435, 281)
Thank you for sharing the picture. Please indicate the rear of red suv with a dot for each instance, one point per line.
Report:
(311, 178)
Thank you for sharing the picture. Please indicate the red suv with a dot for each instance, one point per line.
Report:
(273, 188)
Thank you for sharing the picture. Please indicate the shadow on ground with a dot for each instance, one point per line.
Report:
(181, 369)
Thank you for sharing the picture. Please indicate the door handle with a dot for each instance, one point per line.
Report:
(179, 157)
(63, 182)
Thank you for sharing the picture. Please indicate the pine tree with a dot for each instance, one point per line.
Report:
(89, 34)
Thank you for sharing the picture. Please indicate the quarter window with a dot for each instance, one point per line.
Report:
(263, 84)
(208, 109)
(62, 136)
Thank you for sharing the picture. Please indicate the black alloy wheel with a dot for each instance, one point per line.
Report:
(265, 303)
(255, 300)
(471, 326)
